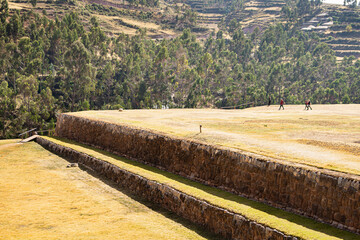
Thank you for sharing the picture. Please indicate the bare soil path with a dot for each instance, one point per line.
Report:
(327, 136)
(8, 143)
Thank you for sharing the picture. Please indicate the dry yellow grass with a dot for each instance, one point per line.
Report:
(19, 6)
(8, 141)
(328, 136)
(288, 223)
(42, 199)
(111, 23)
(141, 24)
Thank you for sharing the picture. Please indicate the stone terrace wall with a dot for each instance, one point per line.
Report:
(218, 220)
(325, 195)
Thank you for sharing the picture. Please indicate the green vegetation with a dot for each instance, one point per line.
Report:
(288, 223)
(58, 64)
(294, 10)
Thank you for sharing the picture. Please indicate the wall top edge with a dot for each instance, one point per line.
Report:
(256, 159)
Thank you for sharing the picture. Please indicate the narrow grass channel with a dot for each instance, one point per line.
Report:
(285, 222)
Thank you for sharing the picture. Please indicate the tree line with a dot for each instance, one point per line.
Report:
(57, 65)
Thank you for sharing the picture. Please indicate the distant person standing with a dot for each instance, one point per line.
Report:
(308, 105)
(269, 102)
(282, 104)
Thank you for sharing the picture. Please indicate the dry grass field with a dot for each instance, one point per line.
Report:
(327, 136)
(288, 223)
(112, 25)
(42, 199)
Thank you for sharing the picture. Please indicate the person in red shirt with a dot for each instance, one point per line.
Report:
(306, 105)
(281, 104)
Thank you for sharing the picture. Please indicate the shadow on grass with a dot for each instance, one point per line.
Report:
(202, 231)
(296, 219)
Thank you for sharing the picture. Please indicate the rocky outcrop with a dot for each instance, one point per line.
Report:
(325, 195)
(218, 220)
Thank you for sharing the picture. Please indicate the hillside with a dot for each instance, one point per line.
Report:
(113, 17)
(164, 21)
(343, 29)
(124, 17)
(97, 55)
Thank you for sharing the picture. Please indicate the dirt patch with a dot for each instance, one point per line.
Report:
(333, 146)
(8, 145)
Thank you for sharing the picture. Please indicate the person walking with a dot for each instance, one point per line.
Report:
(269, 102)
(281, 104)
(308, 105)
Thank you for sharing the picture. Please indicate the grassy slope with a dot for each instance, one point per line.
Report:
(286, 222)
(127, 19)
(109, 21)
(42, 199)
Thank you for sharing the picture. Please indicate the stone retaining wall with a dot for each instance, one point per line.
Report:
(325, 195)
(218, 220)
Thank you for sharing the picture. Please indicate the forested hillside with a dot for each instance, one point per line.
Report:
(65, 64)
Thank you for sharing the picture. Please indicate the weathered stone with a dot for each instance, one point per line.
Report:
(241, 173)
(229, 225)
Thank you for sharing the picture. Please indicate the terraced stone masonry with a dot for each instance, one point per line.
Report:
(325, 195)
(218, 220)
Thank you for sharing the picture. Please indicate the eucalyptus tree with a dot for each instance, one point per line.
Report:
(6, 108)
(4, 11)
(28, 87)
(79, 74)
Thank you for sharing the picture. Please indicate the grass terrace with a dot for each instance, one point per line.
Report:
(42, 199)
(327, 136)
(288, 223)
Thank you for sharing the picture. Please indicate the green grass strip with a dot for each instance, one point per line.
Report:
(283, 221)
